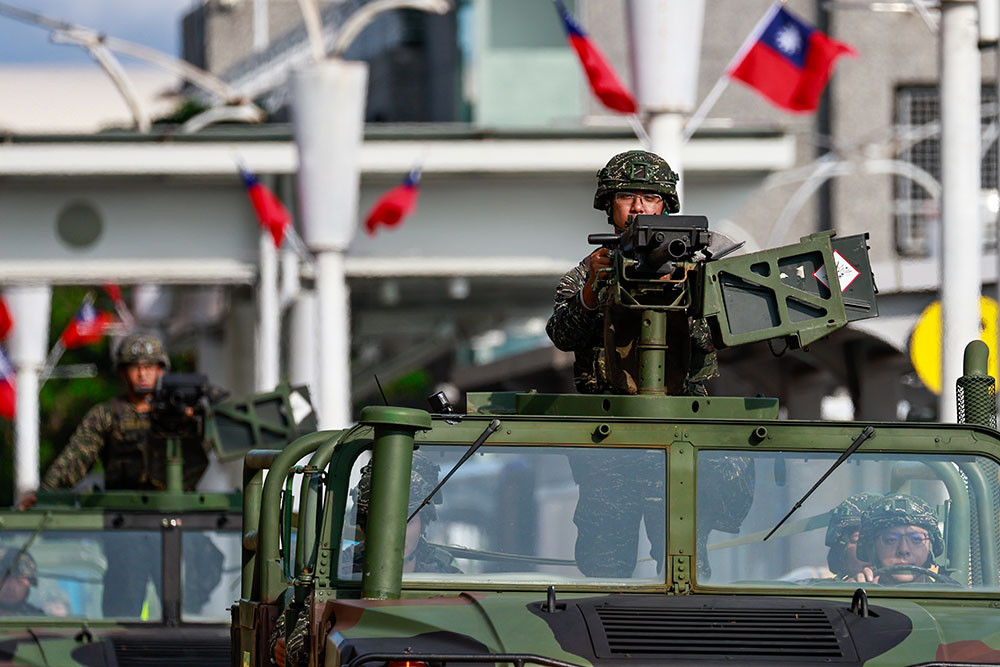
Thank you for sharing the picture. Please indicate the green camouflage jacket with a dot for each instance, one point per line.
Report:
(133, 459)
(574, 328)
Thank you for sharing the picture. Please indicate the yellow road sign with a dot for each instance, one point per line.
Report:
(925, 341)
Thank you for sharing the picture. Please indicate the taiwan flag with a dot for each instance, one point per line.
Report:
(8, 401)
(271, 213)
(602, 79)
(395, 205)
(86, 328)
(6, 321)
(787, 60)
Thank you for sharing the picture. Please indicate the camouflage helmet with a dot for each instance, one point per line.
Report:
(24, 566)
(423, 479)
(141, 348)
(897, 510)
(845, 518)
(637, 170)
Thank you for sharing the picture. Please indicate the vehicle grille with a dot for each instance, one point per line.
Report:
(143, 651)
(691, 632)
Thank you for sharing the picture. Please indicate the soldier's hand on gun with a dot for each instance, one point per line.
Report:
(598, 265)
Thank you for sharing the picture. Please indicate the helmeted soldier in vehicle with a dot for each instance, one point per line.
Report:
(623, 487)
(134, 459)
(118, 431)
(418, 554)
(18, 573)
(899, 536)
(633, 183)
(842, 535)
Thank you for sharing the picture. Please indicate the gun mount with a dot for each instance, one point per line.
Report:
(670, 268)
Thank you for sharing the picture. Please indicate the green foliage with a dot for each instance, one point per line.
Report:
(63, 401)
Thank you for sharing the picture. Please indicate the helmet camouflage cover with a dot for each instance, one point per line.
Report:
(24, 567)
(423, 479)
(897, 510)
(637, 170)
(846, 517)
(141, 348)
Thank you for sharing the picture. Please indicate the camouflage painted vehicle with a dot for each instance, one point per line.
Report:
(137, 578)
(630, 529)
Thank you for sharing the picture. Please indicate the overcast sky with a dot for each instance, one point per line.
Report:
(155, 23)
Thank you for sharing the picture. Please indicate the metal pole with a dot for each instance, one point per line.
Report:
(29, 309)
(268, 338)
(328, 121)
(665, 51)
(961, 226)
(653, 352)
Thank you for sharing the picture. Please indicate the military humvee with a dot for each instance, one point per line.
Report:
(139, 578)
(631, 529)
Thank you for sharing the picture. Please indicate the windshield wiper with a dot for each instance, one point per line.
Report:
(865, 434)
(491, 428)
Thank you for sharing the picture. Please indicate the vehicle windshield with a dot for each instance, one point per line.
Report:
(117, 574)
(888, 520)
(89, 574)
(528, 514)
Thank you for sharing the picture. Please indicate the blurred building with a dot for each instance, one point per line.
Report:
(493, 104)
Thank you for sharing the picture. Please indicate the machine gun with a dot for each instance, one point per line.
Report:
(674, 268)
(180, 404)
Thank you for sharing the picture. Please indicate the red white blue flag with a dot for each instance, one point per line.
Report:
(86, 328)
(602, 78)
(787, 60)
(8, 401)
(6, 322)
(271, 213)
(395, 205)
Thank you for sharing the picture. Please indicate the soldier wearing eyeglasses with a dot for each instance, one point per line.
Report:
(900, 537)
(617, 491)
(632, 183)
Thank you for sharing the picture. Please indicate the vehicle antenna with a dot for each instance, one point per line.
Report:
(865, 434)
(490, 429)
(379, 385)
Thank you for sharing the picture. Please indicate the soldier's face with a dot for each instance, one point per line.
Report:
(14, 591)
(902, 545)
(623, 207)
(142, 377)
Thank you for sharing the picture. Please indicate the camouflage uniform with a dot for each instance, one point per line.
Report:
(574, 328)
(725, 494)
(618, 489)
(423, 479)
(120, 436)
(845, 518)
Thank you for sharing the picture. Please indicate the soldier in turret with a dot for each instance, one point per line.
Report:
(632, 183)
(616, 494)
(118, 431)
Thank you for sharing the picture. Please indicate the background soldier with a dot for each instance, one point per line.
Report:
(842, 535)
(118, 431)
(18, 573)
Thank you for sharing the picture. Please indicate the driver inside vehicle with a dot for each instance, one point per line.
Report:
(899, 537)
(18, 574)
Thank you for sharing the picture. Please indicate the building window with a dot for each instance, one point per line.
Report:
(918, 116)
